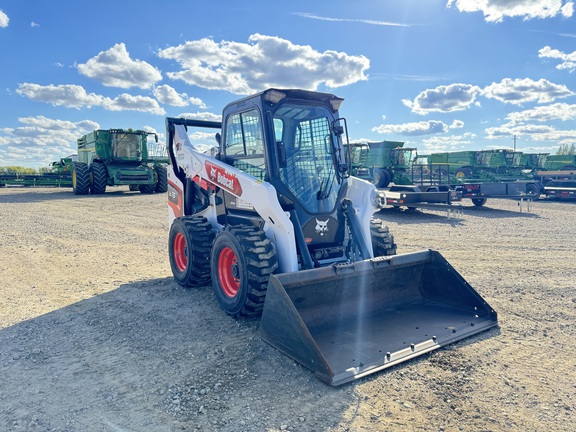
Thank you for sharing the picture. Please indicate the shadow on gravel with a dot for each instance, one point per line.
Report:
(493, 213)
(402, 216)
(151, 356)
(31, 195)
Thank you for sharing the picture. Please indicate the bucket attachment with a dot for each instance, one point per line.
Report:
(347, 321)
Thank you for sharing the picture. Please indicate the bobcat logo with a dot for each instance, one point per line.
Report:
(322, 227)
(212, 172)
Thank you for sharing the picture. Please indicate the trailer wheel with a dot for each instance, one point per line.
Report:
(99, 178)
(382, 239)
(162, 179)
(534, 190)
(80, 179)
(243, 259)
(478, 202)
(189, 244)
(381, 178)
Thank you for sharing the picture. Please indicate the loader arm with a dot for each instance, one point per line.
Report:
(189, 162)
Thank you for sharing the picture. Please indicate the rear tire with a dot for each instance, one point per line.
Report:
(189, 244)
(382, 239)
(80, 179)
(162, 179)
(243, 259)
(147, 189)
(99, 178)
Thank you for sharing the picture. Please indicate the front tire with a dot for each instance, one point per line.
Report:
(189, 244)
(243, 259)
(382, 239)
(99, 178)
(382, 178)
(80, 179)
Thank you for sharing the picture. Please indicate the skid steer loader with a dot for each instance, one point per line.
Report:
(273, 218)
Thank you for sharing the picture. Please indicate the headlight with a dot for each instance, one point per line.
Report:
(378, 199)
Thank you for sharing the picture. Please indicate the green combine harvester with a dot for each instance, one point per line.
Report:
(381, 162)
(117, 157)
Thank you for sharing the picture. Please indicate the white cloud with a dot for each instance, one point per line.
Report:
(115, 68)
(557, 111)
(568, 60)
(457, 124)
(520, 91)
(535, 132)
(265, 61)
(448, 143)
(4, 20)
(413, 129)
(168, 95)
(74, 96)
(33, 24)
(202, 116)
(497, 10)
(41, 140)
(454, 97)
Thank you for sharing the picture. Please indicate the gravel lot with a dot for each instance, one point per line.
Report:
(96, 336)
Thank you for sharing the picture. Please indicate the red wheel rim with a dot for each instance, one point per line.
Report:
(228, 272)
(180, 252)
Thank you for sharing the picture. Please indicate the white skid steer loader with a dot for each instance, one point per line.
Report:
(273, 219)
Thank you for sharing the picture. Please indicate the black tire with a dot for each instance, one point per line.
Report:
(382, 178)
(479, 202)
(80, 179)
(147, 189)
(382, 239)
(243, 259)
(189, 244)
(463, 173)
(162, 179)
(134, 187)
(533, 190)
(99, 177)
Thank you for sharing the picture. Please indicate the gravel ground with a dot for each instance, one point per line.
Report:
(96, 336)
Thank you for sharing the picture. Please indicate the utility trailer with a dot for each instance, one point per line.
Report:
(561, 189)
(478, 190)
(434, 198)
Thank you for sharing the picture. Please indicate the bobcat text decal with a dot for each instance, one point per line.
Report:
(218, 175)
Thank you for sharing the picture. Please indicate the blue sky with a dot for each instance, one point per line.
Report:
(441, 75)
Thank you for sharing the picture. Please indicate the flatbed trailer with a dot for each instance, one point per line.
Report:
(433, 198)
(477, 190)
(563, 189)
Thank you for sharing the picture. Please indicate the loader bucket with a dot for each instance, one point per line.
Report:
(347, 321)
